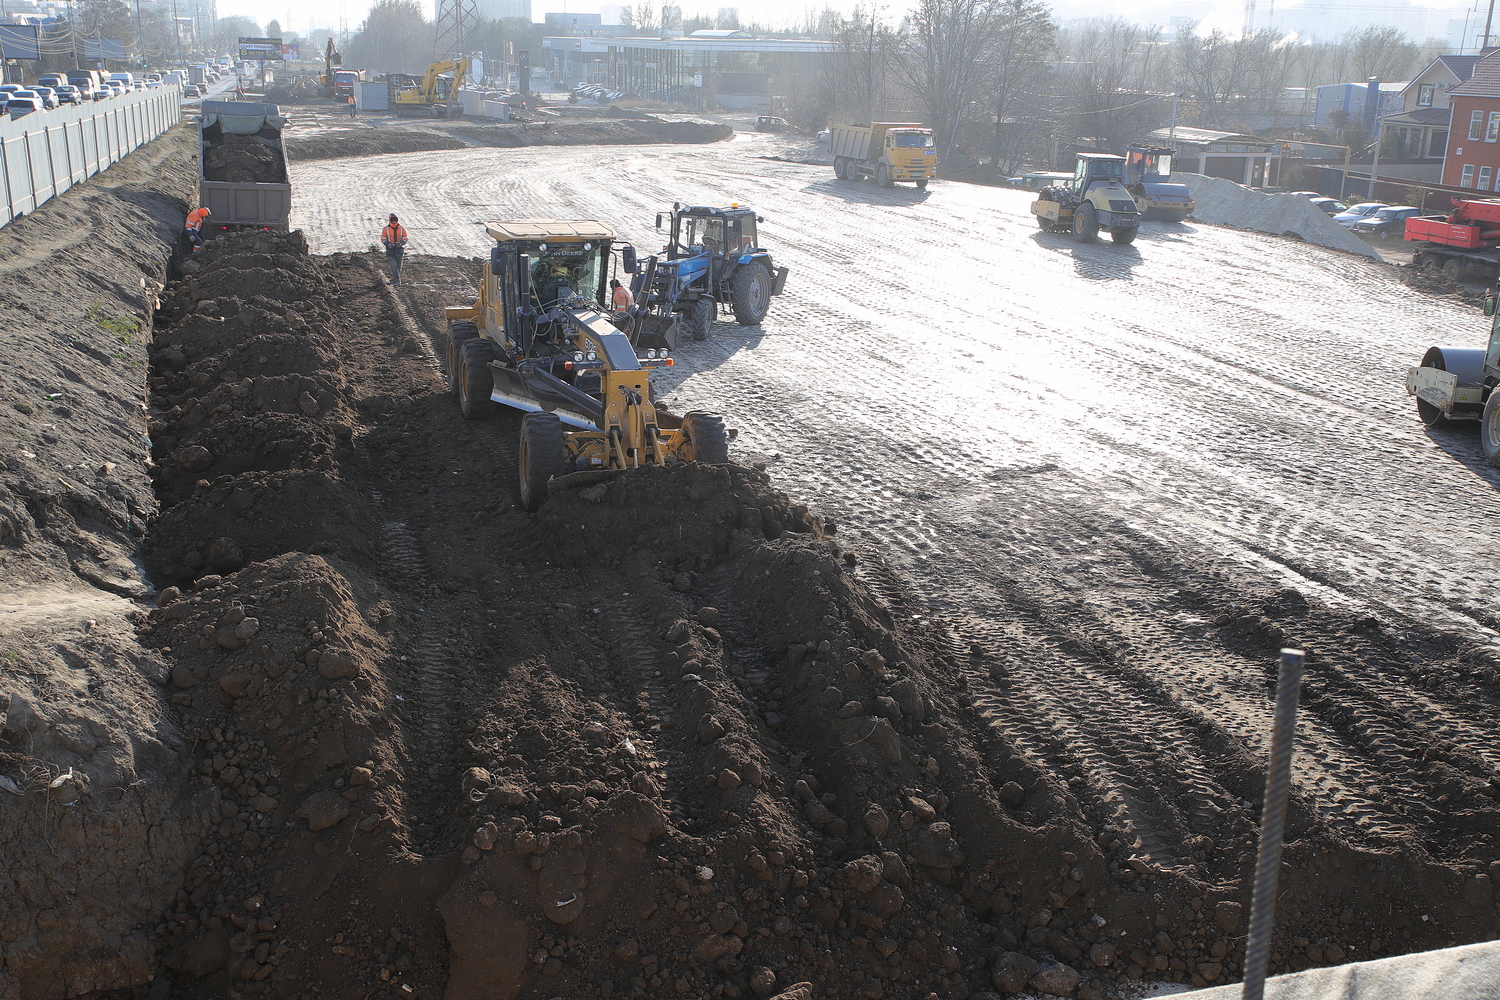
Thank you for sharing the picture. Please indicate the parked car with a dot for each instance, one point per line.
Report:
(823, 136)
(1329, 206)
(1386, 223)
(1308, 194)
(19, 107)
(766, 123)
(69, 94)
(192, 90)
(48, 96)
(1357, 212)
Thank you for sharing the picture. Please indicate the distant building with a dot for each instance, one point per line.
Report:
(1422, 120)
(1244, 159)
(494, 10)
(1353, 98)
(569, 22)
(714, 67)
(1473, 158)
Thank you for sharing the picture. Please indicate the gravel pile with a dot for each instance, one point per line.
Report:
(1226, 203)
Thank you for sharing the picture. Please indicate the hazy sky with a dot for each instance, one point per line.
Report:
(1228, 14)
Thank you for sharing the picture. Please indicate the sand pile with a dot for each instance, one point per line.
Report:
(1226, 203)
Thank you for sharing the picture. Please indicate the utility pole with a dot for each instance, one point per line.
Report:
(1172, 131)
(1375, 164)
(1488, 20)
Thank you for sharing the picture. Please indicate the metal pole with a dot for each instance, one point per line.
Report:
(1344, 183)
(1489, 18)
(1272, 824)
(1172, 132)
(1375, 164)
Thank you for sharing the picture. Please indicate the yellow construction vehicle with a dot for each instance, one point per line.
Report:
(437, 93)
(538, 339)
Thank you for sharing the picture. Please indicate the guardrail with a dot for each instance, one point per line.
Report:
(45, 153)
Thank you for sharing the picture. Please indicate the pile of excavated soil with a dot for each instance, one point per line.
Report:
(95, 822)
(242, 159)
(1226, 203)
(409, 137)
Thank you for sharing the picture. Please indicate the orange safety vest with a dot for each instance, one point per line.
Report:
(623, 299)
(393, 234)
(195, 218)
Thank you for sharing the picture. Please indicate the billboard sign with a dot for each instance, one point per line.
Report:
(18, 41)
(289, 51)
(260, 48)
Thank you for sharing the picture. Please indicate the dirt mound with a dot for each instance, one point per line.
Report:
(244, 158)
(334, 142)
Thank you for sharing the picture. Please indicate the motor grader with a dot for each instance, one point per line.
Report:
(538, 340)
(1094, 201)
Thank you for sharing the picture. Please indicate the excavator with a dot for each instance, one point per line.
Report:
(538, 339)
(437, 93)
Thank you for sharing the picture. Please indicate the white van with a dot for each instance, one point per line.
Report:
(124, 79)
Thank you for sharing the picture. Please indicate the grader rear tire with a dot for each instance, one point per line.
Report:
(544, 454)
(460, 332)
(708, 437)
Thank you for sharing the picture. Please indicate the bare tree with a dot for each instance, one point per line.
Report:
(1026, 37)
(1382, 52)
(948, 57)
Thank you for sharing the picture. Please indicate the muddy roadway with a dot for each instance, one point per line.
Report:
(1126, 471)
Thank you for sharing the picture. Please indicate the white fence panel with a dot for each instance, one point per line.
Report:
(45, 153)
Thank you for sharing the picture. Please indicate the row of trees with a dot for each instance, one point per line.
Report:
(998, 79)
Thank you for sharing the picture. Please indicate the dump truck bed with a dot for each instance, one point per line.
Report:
(243, 176)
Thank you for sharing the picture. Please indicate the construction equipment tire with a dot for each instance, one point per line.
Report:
(706, 433)
(700, 317)
(922, 185)
(475, 380)
(1124, 237)
(1453, 268)
(1086, 224)
(544, 454)
(752, 294)
(1489, 429)
(460, 332)
(883, 176)
(840, 169)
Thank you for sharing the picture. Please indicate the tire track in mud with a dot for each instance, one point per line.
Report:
(1252, 434)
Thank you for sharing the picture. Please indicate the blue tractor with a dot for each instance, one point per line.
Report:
(713, 259)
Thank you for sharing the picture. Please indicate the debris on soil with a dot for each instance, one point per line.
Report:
(243, 159)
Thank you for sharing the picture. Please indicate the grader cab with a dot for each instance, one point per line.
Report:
(538, 339)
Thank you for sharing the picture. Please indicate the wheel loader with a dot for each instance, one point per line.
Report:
(538, 339)
(1094, 201)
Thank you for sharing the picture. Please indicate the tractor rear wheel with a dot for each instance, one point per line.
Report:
(700, 316)
(883, 176)
(1086, 224)
(544, 454)
(475, 381)
(706, 433)
(1123, 236)
(460, 333)
(1489, 429)
(752, 294)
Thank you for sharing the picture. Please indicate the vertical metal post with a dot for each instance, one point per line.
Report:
(1272, 824)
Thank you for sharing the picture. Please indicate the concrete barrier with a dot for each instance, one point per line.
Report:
(45, 153)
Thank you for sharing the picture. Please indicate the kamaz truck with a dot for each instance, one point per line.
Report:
(887, 151)
(713, 258)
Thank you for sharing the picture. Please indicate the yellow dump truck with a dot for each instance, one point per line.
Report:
(886, 151)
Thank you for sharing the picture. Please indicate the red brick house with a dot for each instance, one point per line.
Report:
(1473, 159)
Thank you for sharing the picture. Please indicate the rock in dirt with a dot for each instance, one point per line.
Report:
(1056, 980)
(1013, 971)
(324, 809)
(634, 815)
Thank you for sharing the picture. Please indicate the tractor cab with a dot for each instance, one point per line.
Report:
(713, 232)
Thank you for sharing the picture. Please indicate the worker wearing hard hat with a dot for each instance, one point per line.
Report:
(194, 226)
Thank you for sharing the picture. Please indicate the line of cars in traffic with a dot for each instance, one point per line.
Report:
(53, 90)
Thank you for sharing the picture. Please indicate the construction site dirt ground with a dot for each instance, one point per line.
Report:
(955, 683)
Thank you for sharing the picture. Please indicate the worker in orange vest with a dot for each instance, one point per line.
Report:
(194, 228)
(621, 300)
(394, 238)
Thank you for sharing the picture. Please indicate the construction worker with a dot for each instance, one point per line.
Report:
(351, 106)
(194, 226)
(622, 300)
(394, 238)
